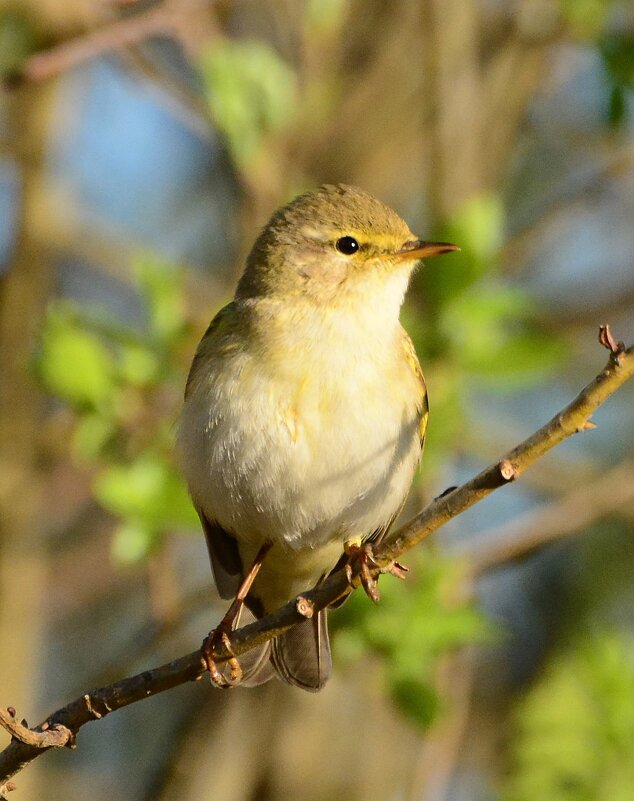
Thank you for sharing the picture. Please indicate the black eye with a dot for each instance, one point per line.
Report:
(347, 245)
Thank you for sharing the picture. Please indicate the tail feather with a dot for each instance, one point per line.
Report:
(256, 665)
(301, 656)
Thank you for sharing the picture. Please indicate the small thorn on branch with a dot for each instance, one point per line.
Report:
(587, 426)
(89, 706)
(608, 341)
(508, 471)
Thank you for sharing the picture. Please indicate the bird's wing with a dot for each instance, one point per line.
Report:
(216, 328)
(226, 563)
(223, 549)
(423, 416)
(423, 405)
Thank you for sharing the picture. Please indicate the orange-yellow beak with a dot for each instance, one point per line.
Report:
(417, 249)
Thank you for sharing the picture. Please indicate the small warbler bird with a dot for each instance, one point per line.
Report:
(304, 414)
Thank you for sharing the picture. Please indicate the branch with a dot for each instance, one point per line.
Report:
(171, 17)
(115, 36)
(100, 702)
(48, 737)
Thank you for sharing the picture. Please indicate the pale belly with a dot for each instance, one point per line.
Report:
(306, 463)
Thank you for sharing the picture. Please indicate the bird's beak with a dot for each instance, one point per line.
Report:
(417, 249)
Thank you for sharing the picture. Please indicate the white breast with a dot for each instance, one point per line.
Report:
(317, 445)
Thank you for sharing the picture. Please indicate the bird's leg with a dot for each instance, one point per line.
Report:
(220, 634)
(362, 554)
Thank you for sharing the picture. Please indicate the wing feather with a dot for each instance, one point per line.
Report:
(215, 329)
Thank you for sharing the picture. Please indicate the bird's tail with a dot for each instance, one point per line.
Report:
(301, 656)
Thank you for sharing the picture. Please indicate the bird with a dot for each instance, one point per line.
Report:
(304, 416)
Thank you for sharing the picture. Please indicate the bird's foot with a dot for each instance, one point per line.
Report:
(364, 557)
(218, 636)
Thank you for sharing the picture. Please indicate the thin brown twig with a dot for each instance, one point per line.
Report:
(115, 36)
(100, 702)
(169, 18)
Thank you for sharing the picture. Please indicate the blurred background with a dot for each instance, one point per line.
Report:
(143, 144)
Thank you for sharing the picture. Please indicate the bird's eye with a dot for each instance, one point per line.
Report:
(347, 245)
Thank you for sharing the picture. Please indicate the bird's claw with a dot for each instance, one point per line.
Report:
(217, 678)
(364, 557)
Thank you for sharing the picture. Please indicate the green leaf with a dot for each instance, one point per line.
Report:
(162, 287)
(587, 18)
(575, 728)
(617, 51)
(131, 490)
(91, 436)
(492, 337)
(616, 108)
(73, 363)
(477, 228)
(321, 17)
(133, 542)
(18, 41)
(415, 623)
(139, 366)
(251, 91)
(416, 700)
(148, 490)
(473, 321)
(521, 359)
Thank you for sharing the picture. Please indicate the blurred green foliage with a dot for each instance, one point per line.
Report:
(470, 326)
(251, 92)
(124, 386)
(74, 363)
(586, 18)
(617, 52)
(417, 621)
(575, 728)
(18, 40)
(321, 17)
(590, 21)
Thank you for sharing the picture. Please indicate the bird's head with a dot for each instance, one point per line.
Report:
(331, 243)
